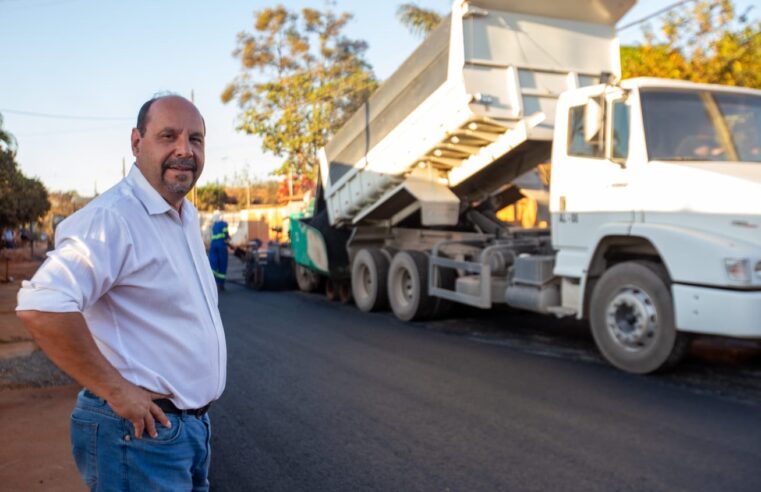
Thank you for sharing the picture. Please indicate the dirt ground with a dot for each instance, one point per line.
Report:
(36, 399)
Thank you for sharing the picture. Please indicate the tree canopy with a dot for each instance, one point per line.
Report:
(22, 199)
(211, 197)
(7, 142)
(418, 20)
(300, 79)
(702, 42)
(65, 203)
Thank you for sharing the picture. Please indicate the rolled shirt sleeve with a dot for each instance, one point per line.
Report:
(92, 251)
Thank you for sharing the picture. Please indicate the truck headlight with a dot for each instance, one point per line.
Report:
(738, 269)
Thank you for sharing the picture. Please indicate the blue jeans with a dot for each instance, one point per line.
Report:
(110, 458)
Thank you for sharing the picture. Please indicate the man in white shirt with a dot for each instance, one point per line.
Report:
(127, 305)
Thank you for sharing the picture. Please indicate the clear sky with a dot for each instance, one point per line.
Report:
(101, 59)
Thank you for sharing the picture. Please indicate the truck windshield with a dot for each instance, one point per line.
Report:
(702, 125)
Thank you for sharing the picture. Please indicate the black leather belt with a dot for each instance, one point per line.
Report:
(166, 406)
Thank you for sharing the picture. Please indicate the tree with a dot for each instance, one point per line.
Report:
(211, 197)
(62, 204)
(300, 79)
(65, 203)
(704, 42)
(7, 142)
(246, 190)
(33, 200)
(22, 200)
(418, 20)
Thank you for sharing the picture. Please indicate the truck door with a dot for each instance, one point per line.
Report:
(594, 183)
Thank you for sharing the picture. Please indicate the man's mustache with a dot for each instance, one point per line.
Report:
(185, 164)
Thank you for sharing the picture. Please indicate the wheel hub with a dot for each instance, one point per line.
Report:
(631, 318)
(407, 287)
(366, 280)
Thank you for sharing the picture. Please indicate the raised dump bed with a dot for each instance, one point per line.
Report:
(470, 110)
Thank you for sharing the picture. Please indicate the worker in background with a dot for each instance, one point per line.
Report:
(220, 238)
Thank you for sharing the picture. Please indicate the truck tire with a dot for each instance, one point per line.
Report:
(632, 318)
(331, 289)
(389, 252)
(253, 274)
(306, 279)
(369, 274)
(344, 291)
(408, 286)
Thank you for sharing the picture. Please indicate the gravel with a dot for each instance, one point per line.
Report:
(32, 371)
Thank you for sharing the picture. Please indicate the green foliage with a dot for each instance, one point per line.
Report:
(418, 20)
(300, 79)
(7, 142)
(22, 199)
(702, 42)
(259, 192)
(32, 199)
(211, 197)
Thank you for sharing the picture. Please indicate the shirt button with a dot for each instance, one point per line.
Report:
(127, 437)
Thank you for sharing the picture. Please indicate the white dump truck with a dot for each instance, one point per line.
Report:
(654, 195)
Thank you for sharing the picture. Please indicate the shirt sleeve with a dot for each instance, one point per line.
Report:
(93, 247)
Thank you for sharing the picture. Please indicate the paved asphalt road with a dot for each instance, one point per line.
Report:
(323, 397)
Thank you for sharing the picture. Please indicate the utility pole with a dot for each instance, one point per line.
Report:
(123, 168)
(248, 193)
(290, 184)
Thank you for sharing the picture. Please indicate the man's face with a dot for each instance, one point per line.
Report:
(171, 153)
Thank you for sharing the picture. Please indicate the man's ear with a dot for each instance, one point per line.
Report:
(135, 138)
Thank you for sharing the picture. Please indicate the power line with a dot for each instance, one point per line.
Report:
(654, 14)
(65, 132)
(62, 116)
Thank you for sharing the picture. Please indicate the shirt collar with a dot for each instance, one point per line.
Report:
(153, 202)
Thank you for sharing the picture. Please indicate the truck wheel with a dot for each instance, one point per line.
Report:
(632, 318)
(254, 274)
(331, 289)
(369, 273)
(408, 286)
(389, 252)
(344, 291)
(306, 279)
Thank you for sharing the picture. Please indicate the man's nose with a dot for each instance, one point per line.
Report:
(183, 147)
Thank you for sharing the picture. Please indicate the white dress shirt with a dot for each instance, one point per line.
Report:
(138, 272)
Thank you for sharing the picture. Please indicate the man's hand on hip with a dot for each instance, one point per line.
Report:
(66, 340)
(136, 405)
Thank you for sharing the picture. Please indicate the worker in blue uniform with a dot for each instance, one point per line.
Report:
(220, 237)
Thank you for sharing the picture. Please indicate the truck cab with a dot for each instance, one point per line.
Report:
(661, 177)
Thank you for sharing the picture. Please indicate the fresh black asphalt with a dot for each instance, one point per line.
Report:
(323, 397)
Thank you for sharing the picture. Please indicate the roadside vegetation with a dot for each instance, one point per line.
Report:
(23, 200)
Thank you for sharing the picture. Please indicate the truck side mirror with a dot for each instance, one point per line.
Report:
(593, 119)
